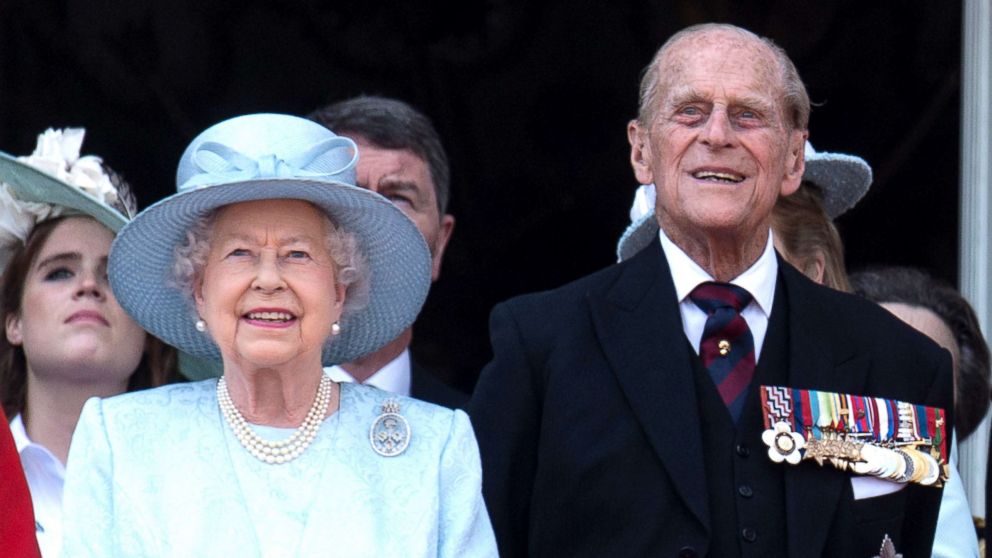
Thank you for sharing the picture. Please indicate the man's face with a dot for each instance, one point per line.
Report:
(405, 179)
(717, 148)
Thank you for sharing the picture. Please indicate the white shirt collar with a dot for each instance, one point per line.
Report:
(759, 279)
(394, 377)
(31, 452)
(21, 439)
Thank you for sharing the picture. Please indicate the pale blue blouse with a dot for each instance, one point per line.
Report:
(159, 473)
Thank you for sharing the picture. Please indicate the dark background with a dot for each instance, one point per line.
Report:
(530, 98)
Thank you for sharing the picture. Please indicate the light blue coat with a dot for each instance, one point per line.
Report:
(159, 473)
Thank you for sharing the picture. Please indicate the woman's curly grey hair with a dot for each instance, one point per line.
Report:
(352, 270)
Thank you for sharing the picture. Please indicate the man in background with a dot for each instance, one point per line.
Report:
(400, 156)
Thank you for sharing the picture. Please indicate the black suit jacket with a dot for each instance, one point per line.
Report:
(588, 424)
(427, 387)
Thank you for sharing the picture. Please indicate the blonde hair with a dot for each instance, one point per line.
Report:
(805, 231)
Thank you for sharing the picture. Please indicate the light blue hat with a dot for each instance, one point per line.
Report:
(843, 180)
(260, 157)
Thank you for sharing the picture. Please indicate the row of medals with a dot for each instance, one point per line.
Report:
(898, 462)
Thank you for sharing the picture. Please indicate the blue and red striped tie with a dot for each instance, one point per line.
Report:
(727, 348)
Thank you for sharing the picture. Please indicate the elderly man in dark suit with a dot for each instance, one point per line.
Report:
(611, 420)
(402, 158)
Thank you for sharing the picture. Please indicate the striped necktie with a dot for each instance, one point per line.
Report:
(727, 348)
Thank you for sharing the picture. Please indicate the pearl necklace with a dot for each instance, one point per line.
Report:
(276, 451)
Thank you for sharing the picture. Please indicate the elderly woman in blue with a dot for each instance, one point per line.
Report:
(269, 260)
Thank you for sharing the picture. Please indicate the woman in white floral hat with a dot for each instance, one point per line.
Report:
(65, 339)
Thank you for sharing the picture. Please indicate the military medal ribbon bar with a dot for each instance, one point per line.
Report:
(884, 438)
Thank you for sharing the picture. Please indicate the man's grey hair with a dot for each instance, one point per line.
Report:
(352, 271)
(795, 99)
(392, 124)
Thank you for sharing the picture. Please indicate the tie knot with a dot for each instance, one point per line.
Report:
(712, 296)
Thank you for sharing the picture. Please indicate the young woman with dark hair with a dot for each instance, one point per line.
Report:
(65, 337)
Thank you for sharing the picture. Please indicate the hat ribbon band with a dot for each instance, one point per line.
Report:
(223, 164)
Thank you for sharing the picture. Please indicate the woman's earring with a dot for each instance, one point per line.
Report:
(335, 328)
(200, 325)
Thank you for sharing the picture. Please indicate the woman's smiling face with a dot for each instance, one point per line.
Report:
(268, 289)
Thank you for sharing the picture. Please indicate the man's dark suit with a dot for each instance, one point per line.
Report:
(591, 436)
(427, 387)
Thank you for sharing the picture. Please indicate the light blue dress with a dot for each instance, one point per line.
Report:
(159, 473)
(955, 536)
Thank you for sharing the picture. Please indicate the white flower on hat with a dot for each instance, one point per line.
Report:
(17, 218)
(57, 154)
(783, 444)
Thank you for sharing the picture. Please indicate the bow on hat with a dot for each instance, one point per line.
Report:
(219, 164)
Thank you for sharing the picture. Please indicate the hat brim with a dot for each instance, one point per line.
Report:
(195, 369)
(843, 180)
(142, 256)
(32, 185)
(637, 236)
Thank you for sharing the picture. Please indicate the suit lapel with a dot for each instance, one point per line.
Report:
(819, 358)
(640, 330)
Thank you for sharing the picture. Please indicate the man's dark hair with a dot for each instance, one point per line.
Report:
(391, 124)
(917, 288)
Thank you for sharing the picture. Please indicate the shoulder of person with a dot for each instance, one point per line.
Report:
(432, 426)
(563, 301)
(171, 399)
(151, 426)
(863, 323)
(369, 401)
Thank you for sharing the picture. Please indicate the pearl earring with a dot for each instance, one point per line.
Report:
(335, 328)
(200, 325)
